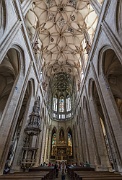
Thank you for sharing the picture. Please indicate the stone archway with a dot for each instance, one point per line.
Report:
(11, 77)
(69, 145)
(53, 144)
(102, 122)
(13, 149)
(9, 71)
(110, 78)
(97, 112)
(91, 151)
(112, 69)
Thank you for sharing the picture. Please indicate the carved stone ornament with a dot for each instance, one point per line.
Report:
(32, 131)
(33, 127)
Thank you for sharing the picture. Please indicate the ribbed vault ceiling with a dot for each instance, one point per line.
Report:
(65, 28)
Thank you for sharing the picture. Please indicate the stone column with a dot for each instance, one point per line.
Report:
(46, 145)
(80, 153)
(103, 163)
(89, 136)
(81, 140)
(49, 143)
(74, 142)
(10, 119)
(43, 144)
(18, 155)
(113, 122)
(83, 136)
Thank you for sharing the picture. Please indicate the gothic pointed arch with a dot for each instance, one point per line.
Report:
(101, 117)
(18, 128)
(87, 129)
(61, 135)
(110, 66)
(10, 69)
(53, 142)
(54, 130)
(69, 142)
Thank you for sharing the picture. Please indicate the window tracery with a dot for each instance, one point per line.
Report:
(61, 104)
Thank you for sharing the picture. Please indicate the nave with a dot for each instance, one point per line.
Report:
(60, 88)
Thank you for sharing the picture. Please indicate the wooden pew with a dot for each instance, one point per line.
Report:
(23, 178)
(102, 178)
(41, 168)
(70, 170)
(96, 175)
(43, 175)
(36, 173)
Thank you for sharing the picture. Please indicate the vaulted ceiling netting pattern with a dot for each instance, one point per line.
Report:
(65, 29)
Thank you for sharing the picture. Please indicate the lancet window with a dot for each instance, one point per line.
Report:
(69, 143)
(68, 104)
(55, 104)
(61, 104)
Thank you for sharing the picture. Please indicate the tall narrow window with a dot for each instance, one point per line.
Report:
(69, 139)
(69, 143)
(53, 144)
(55, 104)
(61, 104)
(68, 104)
(54, 139)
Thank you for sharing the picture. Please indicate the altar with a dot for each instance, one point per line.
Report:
(62, 148)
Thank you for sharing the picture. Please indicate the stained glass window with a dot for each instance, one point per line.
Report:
(68, 104)
(69, 144)
(61, 104)
(61, 107)
(53, 143)
(55, 104)
(54, 139)
(69, 139)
